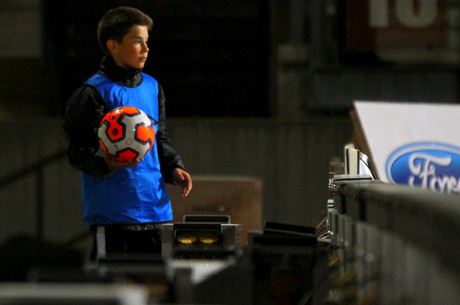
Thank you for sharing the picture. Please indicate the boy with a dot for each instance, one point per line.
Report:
(124, 203)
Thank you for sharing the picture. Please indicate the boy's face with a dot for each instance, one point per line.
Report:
(133, 50)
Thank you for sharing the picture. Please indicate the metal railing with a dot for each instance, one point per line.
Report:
(38, 168)
(396, 244)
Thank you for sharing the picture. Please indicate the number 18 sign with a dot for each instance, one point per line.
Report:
(396, 24)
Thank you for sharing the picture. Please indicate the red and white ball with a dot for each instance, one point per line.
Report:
(126, 133)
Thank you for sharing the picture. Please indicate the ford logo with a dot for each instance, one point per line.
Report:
(430, 165)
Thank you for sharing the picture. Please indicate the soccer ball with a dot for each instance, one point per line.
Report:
(126, 133)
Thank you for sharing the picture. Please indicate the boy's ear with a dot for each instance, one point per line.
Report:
(111, 45)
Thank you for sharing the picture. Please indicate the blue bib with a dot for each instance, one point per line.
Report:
(131, 195)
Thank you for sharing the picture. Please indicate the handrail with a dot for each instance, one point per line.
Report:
(31, 168)
(37, 167)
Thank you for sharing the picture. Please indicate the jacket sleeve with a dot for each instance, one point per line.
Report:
(169, 158)
(84, 111)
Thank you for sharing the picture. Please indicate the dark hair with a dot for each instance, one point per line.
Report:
(117, 22)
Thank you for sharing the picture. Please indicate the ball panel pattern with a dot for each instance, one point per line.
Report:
(126, 133)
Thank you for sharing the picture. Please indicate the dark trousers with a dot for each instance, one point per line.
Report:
(119, 239)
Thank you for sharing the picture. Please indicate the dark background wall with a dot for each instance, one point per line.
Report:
(212, 57)
(254, 88)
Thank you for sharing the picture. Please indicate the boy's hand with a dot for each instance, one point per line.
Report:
(113, 165)
(183, 179)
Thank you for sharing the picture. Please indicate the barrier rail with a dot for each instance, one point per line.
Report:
(395, 244)
(36, 168)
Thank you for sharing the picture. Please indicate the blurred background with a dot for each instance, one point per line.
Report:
(257, 89)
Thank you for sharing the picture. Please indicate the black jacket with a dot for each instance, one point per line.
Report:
(84, 112)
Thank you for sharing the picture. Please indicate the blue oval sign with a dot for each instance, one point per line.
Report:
(430, 165)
